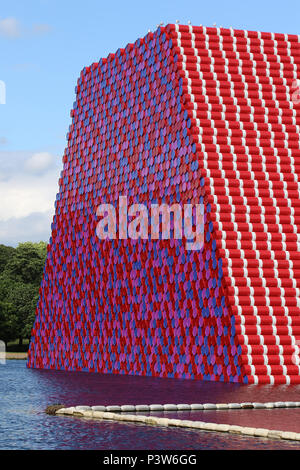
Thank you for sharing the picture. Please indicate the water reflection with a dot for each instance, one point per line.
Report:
(25, 393)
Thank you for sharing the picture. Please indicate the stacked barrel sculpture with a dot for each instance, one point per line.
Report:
(186, 115)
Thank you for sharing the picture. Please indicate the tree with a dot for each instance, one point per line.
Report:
(6, 252)
(23, 300)
(7, 316)
(40, 247)
(20, 279)
(26, 264)
(7, 319)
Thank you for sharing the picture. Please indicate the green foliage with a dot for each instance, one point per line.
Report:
(6, 253)
(23, 298)
(7, 318)
(21, 271)
(26, 264)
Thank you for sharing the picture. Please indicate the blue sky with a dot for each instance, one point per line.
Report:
(43, 46)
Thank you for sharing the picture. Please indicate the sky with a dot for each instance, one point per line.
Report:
(44, 44)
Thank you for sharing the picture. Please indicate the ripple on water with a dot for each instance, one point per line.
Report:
(25, 393)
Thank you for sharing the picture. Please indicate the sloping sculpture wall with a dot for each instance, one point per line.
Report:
(186, 115)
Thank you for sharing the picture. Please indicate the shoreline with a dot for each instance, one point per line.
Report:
(16, 355)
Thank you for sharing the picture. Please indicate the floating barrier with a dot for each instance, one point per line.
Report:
(189, 407)
(118, 413)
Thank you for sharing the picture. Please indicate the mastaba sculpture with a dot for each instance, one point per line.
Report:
(187, 116)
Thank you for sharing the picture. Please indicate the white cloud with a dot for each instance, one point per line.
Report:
(10, 28)
(20, 197)
(23, 194)
(28, 188)
(39, 162)
(27, 197)
(34, 227)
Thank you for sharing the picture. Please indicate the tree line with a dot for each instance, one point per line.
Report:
(21, 271)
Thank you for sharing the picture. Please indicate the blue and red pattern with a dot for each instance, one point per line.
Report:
(152, 307)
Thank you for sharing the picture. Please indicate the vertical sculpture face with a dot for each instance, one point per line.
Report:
(187, 118)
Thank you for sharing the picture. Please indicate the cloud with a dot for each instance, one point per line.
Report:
(11, 28)
(21, 196)
(39, 162)
(3, 140)
(28, 188)
(34, 227)
(25, 66)
(33, 190)
(41, 28)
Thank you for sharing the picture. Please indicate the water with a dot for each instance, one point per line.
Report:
(25, 393)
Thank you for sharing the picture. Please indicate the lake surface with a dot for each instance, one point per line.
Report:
(25, 393)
